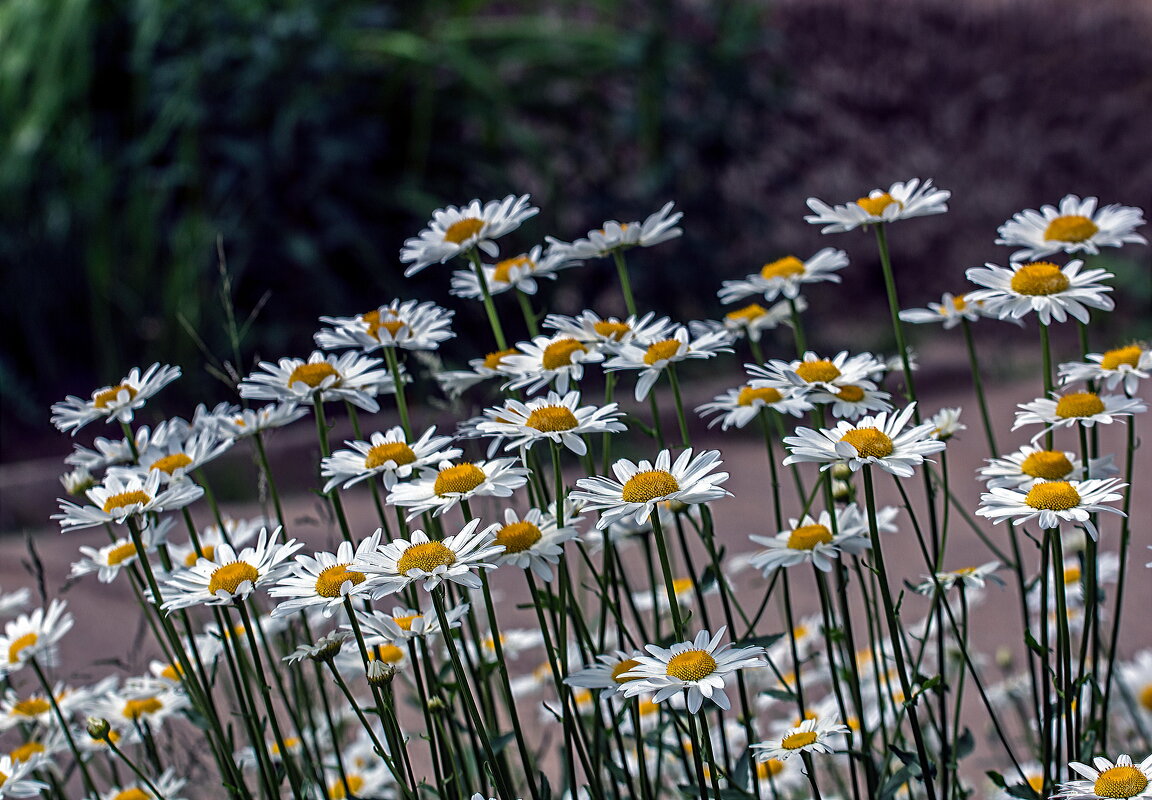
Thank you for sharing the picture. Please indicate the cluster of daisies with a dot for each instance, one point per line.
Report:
(382, 663)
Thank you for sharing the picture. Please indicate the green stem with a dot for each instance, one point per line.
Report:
(398, 381)
(625, 283)
(797, 329)
(529, 314)
(139, 774)
(489, 306)
(894, 311)
(666, 569)
(978, 385)
(685, 439)
(85, 776)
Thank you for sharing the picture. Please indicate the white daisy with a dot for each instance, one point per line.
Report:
(1053, 503)
(612, 236)
(544, 360)
(816, 372)
(946, 423)
(851, 400)
(513, 642)
(1136, 677)
(698, 667)
(784, 276)
(34, 635)
(812, 541)
(607, 334)
(388, 455)
(1076, 226)
(651, 361)
(106, 452)
(558, 418)
(810, 736)
(639, 487)
(1030, 465)
(351, 377)
(114, 403)
(36, 708)
(520, 272)
(456, 558)
(441, 489)
(229, 575)
(901, 201)
(235, 533)
(880, 440)
(608, 673)
(178, 456)
(16, 778)
(456, 382)
(1053, 292)
(403, 624)
(323, 650)
(323, 580)
(735, 408)
(145, 701)
(1125, 365)
(107, 561)
(951, 311)
(249, 422)
(455, 231)
(533, 541)
(410, 325)
(116, 499)
(1076, 408)
(78, 481)
(1106, 779)
(752, 320)
(968, 577)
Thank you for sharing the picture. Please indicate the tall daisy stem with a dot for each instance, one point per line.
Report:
(107, 739)
(489, 306)
(85, 776)
(266, 468)
(894, 310)
(685, 439)
(625, 283)
(978, 385)
(666, 568)
(528, 312)
(1125, 542)
(393, 360)
(797, 328)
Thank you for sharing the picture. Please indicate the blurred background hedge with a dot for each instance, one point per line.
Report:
(308, 138)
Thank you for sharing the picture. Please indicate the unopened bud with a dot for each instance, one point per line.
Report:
(842, 491)
(98, 728)
(78, 481)
(841, 470)
(380, 674)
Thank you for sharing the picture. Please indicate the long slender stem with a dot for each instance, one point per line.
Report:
(489, 306)
(85, 776)
(685, 439)
(978, 385)
(894, 311)
(393, 360)
(625, 283)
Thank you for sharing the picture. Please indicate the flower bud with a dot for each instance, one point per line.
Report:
(98, 728)
(841, 471)
(380, 674)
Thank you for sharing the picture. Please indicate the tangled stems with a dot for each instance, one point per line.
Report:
(107, 739)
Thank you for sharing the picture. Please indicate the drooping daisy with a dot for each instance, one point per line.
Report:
(612, 236)
(752, 320)
(560, 419)
(735, 408)
(639, 487)
(951, 311)
(178, 456)
(114, 403)
(1076, 408)
(968, 577)
(608, 673)
(1076, 226)
(784, 276)
(1105, 779)
(816, 372)
(851, 400)
(351, 377)
(1125, 365)
(946, 423)
(1030, 465)
(408, 324)
(116, 499)
(650, 361)
(167, 784)
(456, 558)
(607, 334)
(533, 541)
(323, 580)
(388, 455)
(698, 667)
(901, 201)
(16, 778)
(546, 360)
(1053, 503)
(229, 575)
(455, 231)
(520, 272)
(402, 624)
(1053, 292)
(442, 489)
(810, 736)
(34, 635)
(812, 540)
(880, 440)
(249, 421)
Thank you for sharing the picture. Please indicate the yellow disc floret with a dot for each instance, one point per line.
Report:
(121, 553)
(551, 419)
(1120, 782)
(331, 579)
(229, 577)
(125, 499)
(493, 360)
(806, 537)
(20, 643)
(1039, 278)
(795, 741)
(463, 230)
(171, 463)
(459, 479)
(137, 708)
(787, 267)
(518, 536)
(850, 393)
(314, 374)
(1079, 404)
(876, 203)
(691, 665)
(32, 707)
(615, 331)
(398, 453)
(1053, 496)
(627, 665)
(649, 485)
(108, 396)
(521, 264)
(1050, 465)
(661, 351)
(425, 557)
(559, 353)
(821, 370)
(1070, 228)
(869, 442)
(1114, 359)
(749, 395)
(746, 315)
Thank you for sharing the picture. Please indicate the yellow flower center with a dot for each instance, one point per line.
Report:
(1129, 355)
(615, 331)
(646, 707)
(405, 622)
(134, 709)
(291, 743)
(806, 537)
(959, 303)
(172, 672)
(208, 550)
(659, 351)
(1051, 465)
(135, 793)
(769, 768)
(876, 204)
(397, 452)
(559, 353)
(126, 499)
(1036, 782)
(627, 665)
(387, 653)
(518, 536)
(349, 786)
(26, 751)
(375, 321)
(551, 419)
(850, 394)
(492, 360)
(1070, 228)
(425, 557)
(171, 463)
(1079, 404)
(463, 230)
(749, 395)
(104, 398)
(459, 479)
(330, 579)
(121, 553)
(32, 707)
(746, 315)
(1039, 278)
(869, 442)
(681, 585)
(795, 741)
(18, 644)
(313, 374)
(692, 665)
(230, 576)
(650, 485)
(821, 370)
(1145, 697)
(1072, 575)
(1120, 782)
(786, 267)
(504, 268)
(1053, 496)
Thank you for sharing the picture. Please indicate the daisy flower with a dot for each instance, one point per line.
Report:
(351, 377)
(34, 635)
(1030, 465)
(1053, 503)
(951, 311)
(235, 533)
(323, 580)
(1136, 676)
(441, 489)
(106, 452)
(639, 487)
(520, 272)
(968, 577)
(815, 372)
(16, 778)
(608, 673)
(78, 481)
(1053, 292)
(388, 455)
(177, 456)
(880, 440)
(785, 276)
(456, 382)
(947, 423)
(735, 408)
(852, 400)
(901, 201)
(410, 325)
(651, 361)
(607, 334)
(558, 418)
(1076, 226)
(810, 736)
(114, 403)
(230, 575)
(698, 667)
(1125, 365)
(455, 231)
(107, 561)
(1076, 408)
(752, 320)
(457, 558)
(545, 360)
(613, 236)
(117, 499)
(402, 624)
(323, 650)
(1105, 779)
(250, 422)
(533, 541)
(140, 702)
(810, 540)
(512, 644)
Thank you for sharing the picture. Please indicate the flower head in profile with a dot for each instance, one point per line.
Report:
(735, 408)
(881, 441)
(785, 276)
(443, 488)
(810, 736)
(752, 320)
(107, 561)
(350, 377)
(608, 334)
(229, 575)
(901, 201)
(17, 778)
(1051, 291)
(409, 324)
(113, 403)
(36, 635)
(1076, 226)
(455, 231)
(402, 624)
(1024, 468)
(813, 372)
(952, 310)
(251, 421)
(608, 672)
(614, 236)
(1105, 779)
(457, 558)
(387, 455)
(176, 456)
(1068, 410)
(946, 423)
(1053, 504)
(454, 382)
(519, 272)
(966, 577)
(1125, 366)
(560, 419)
(556, 360)
(810, 540)
(117, 499)
(323, 580)
(651, 360)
